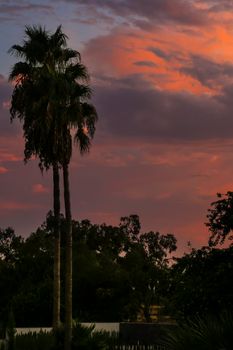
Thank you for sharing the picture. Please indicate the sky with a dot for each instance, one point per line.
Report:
(162, 81)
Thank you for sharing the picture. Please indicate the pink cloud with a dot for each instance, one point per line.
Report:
(9, 157)
(15, 206)
(39, 188)
(170, 186)
(6, 104)
(11, 148)
(3, 170)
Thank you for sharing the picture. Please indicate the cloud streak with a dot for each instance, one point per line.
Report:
(157, 11)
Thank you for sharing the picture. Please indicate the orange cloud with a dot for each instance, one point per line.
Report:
(118, 55)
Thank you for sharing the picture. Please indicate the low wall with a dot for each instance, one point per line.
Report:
(32, 330)
(130, 333)
(144, 333)
(109, 327)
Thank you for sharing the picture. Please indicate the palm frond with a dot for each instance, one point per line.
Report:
(69, 54)
(58, 39)
(82, 92)
(82, 140)
(17, 50)
(208, 333)
(90, 116)
(35, 33)
(22, 69)
(77, 72)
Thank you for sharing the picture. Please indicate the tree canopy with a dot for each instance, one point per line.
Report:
(114, 274)
(220, 219)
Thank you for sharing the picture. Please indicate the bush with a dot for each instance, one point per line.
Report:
(209, 333)
(2, 346)
(34, 341)
(85, 338)
(11, 331)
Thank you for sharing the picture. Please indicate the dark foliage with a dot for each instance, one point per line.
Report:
(202, 283)
(208, 333)
(220, 219)
(115, 272)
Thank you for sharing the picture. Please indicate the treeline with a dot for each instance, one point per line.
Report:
(118, 271)
(115, 270)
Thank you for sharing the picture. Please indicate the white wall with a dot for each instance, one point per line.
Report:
(110, 327)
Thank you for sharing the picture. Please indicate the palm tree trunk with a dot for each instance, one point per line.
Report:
(68, 267)
(57, 248)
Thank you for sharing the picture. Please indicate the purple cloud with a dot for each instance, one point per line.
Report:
(16, 7)
(208, 72)
(133, 108)
(216, 5)
(145, 64)
(154, 11)
(5, 95)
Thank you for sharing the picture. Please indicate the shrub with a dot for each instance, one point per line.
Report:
(2, 346)
(209, 333)
(11, 331)
(84, 338)
(34, 341)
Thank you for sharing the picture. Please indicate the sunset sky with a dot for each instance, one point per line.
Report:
(162, 79)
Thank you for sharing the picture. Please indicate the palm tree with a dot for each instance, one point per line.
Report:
(51, 97)
(81, 116)
(27, 104)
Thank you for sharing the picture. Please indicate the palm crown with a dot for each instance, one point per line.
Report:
(51, 96)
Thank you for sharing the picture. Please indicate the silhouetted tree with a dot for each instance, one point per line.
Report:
(32, 101)
(202, 283)
(220, 219)
(49, 93)
(114, 275)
